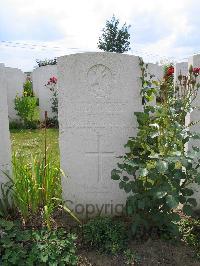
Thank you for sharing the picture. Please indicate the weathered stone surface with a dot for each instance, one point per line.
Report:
(5, 151)
(15, 79)
(156, 70)
(98, 94)
(40, 77)
(195, 116)
(155, 73)
(180, 68)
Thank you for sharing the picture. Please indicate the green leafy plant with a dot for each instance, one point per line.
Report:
(114, 39)
(190, 231)
(157, 169)
(39, 247)
(26, 108)
(105, 235)
(36, 186)
(130, 257)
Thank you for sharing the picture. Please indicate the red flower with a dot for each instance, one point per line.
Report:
(52, 80)
(196, 70)
(170, 71)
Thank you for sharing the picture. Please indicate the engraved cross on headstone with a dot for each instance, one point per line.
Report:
(100, 156)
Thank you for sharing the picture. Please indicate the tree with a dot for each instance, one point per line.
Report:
(114, 39)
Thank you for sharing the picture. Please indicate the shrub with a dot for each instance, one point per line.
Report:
(26, 108)
(157, 169)
(105, 235)
(39, 247)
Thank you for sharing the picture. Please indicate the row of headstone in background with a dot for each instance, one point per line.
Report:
(40, 77)
(5, 148)
(15, 79)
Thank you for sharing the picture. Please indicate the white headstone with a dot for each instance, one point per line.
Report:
(5, 150)
(155, 73)
(98, 94)
(40, 77)
(156, 70)
(15, 79)
(195, 116)
(180, 68)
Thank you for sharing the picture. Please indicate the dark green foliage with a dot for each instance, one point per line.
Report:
(52, 123)
(114, 39)
(105, 235)
(39, 247)
(190, 230)
(16, 125)
(156, 170)
(7, 208)
(46, 62)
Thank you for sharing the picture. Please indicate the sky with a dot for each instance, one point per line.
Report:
(161, 31)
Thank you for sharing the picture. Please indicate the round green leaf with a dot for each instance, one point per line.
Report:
(187, 192)
(192, 201)
(171, 201)
(162, 166)
(115, 174)
(187, 209)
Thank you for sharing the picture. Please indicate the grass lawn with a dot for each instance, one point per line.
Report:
(31, 142)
